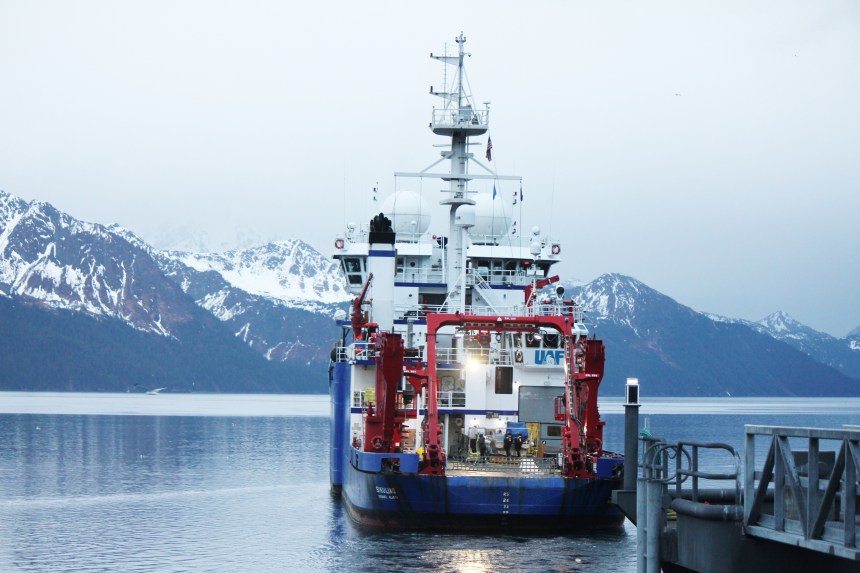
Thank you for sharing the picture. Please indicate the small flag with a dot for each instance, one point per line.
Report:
(494, 190)
(521, 191)
(489, 148)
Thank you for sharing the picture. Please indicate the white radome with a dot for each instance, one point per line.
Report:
(408, 211)
(492, 218)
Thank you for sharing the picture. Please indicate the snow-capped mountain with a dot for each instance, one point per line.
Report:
(290, 271)
(89, 307)
(620, 299)
(280, 329)
(61, 262)
(92, 280)
(675, 350)
(840, 353)
(783, 327)
(272, 297)
(843, 354)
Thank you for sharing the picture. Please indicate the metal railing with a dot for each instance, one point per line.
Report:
(478, 355)
(476, 118)
(366, 350)
(664, 463)
(497, 277)
(814, 491)
(434, 274)
(662, 466)
(499, 464)
(451, 399)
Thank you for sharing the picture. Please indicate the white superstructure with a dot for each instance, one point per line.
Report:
(477, 263)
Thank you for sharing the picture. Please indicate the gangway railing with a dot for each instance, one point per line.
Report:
(675, 464)
(664, 468)
(814, 491)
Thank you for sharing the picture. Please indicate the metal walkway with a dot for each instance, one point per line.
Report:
(794, 512)
(814, 488)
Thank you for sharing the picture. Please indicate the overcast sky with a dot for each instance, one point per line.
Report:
(709, 149)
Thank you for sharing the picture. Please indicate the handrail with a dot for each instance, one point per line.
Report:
(656, 467)
(451, 399)
(695, 474)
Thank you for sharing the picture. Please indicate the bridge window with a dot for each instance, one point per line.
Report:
(353, 267)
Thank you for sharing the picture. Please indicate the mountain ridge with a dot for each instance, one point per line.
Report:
(275, 302)
(685, 352)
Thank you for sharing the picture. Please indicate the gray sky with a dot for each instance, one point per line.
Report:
(711, 150)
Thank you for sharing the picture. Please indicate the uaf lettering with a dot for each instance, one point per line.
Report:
(549, 356)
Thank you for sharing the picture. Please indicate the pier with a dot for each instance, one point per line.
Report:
(791, 506)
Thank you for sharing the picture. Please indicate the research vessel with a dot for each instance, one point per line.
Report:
(464, 383)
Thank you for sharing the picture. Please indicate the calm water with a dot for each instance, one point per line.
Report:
(172, 483)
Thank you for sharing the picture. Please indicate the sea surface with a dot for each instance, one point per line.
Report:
(239, 483)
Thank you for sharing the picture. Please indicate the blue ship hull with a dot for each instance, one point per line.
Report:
(480, 503)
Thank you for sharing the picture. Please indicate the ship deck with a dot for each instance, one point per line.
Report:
(500, 466)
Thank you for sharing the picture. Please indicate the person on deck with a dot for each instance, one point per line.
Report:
(518, 444)
(482, 445)
(507, 443)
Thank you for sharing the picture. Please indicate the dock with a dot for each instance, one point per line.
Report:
(788, 503)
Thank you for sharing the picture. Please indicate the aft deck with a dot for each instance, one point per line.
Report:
(500, 466)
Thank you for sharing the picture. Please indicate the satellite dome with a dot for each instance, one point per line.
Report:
(492, 218)
(408, 211)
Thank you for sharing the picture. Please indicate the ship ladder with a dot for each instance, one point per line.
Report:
(485, 290)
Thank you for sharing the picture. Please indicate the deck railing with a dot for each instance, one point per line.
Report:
(451, 399)
(500, 464)
(475, 355)
(548, 309)
(476, 118)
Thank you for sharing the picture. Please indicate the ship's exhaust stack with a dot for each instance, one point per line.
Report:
(381, 262)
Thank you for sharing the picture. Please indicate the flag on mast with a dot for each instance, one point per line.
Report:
(494, 190)
(489, 148)
(521, 190)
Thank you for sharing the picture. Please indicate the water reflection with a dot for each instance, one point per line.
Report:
(108, 493)
(244, 493)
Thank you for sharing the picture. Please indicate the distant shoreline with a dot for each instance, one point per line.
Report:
(317, 405)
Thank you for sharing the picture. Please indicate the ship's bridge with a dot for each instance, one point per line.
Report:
(466, 121)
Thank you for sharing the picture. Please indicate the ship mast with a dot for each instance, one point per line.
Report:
(459, 120)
